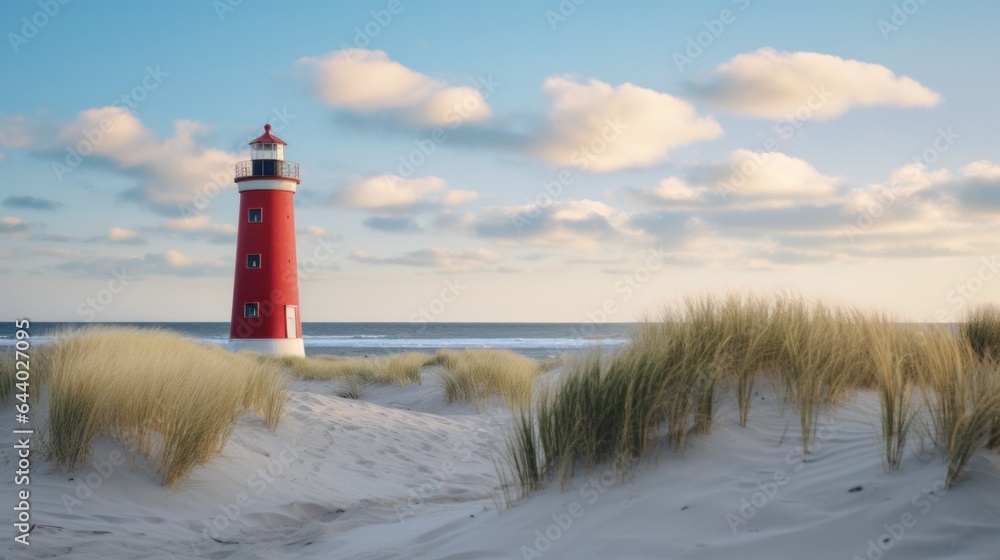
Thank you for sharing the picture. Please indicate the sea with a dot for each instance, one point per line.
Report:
(535, 340)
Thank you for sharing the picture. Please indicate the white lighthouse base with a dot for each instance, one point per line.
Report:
(274, 346)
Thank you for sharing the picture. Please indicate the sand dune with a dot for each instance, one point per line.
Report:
(400, 474)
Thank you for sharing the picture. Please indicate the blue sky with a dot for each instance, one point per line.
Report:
(845, 150)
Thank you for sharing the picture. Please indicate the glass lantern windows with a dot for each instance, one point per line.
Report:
(267, 151)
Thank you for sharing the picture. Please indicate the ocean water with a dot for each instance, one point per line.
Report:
(535, 340)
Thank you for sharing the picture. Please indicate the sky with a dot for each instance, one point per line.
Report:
(575, 160)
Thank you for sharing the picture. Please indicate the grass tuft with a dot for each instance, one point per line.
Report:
(982, 331)
(161, 395)
(475, 375)
(665, 384)
(399, 369)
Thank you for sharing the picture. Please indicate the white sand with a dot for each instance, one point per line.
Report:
(400, 474)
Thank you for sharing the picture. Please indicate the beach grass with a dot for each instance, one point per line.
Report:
(665, 383)
(400, 369)
(7, 373)
(981, 329)
(159, 394)
(977, 420)
(475, 375)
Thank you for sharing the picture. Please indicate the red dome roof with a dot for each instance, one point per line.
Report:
(268, 138)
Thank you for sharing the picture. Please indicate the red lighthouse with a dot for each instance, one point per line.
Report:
(266, 287)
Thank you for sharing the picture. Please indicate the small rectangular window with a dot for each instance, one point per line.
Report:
(250, 310)
(253, 261)
(255, 215)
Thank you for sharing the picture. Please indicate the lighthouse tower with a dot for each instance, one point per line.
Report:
(266, 287)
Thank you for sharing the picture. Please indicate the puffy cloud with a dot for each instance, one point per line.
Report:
(368, 81)
(314, 231)
(747, 179)
(903, 186)
(176, 259)
(774, 179)
(173, 170)
(451, 260)
(773, 84)
(602, 128)
(669, 191)
(31, 203)
(393, 194)
(122, 235)
(983, 170)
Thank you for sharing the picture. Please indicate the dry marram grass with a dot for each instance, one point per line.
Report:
(159, 394)
(477, 374)
(667, 380)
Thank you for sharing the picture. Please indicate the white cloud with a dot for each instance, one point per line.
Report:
(602, 128)
(174, 169)
(771, 84)
(368, 81)
(904, 183)
(392, 193)
(669, 191)
(120, 235)
(746, 180)
(982, 170)
(314, 231)
(451, 260)
(177, 259)
(773, 179)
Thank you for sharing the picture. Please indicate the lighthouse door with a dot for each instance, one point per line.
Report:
(290, 321)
